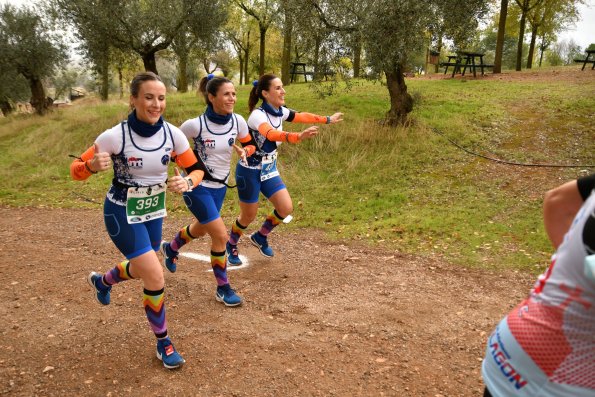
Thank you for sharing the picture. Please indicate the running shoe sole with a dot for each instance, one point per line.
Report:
(220, 299)
(254, 243)
(90, 281)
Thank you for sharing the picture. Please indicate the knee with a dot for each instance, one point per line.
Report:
(285, 211)
(247, 218)
(153, 280)
(220, 238)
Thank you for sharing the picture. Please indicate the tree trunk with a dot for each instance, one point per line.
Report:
(6, 106)
(104, 90)
(532, 47)
(121, 81)
(401, 103)
(542, 47)
(357, 55)
(182, 73)
(263, 33)
(316, 59)
(247, 59)
(149, 62)
(285, 58)
(500, 38)
(38, 99)
(439, 49)
(519, 49)
(241, 60)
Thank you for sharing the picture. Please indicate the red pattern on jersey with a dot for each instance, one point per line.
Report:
(538, 328)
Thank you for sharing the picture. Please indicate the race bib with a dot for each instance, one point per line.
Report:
(269, 167)
(145, 203)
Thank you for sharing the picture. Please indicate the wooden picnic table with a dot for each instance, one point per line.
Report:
(587, 59)
(466, 60)
(298, 68)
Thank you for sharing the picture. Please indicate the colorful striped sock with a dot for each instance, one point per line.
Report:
(236, 232)
(219, 264)
(273, 219)
(121, 272)
(153, 301)
(183, 237)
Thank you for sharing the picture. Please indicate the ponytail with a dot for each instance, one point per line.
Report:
(258, 86)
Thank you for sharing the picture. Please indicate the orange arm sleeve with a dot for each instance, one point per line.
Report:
(186, 160)
(272, 134)
(250, 149)
(79, 168)
(303, 117)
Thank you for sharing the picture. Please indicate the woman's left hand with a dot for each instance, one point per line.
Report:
(241, 152)
(337, 117)
(177, 183)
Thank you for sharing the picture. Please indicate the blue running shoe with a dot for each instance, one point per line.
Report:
(168, 355)
(170, 259)
(227, 296)
(233, 259)
(260, 241)
(102, 292)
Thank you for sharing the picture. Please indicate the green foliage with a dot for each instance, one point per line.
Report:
(402, 189)
(141, 27)
(29, 49)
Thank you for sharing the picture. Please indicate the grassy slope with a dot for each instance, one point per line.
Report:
(406, 189)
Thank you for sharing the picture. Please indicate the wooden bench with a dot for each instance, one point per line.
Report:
(587, 59)
(585, 62)
(456, 67)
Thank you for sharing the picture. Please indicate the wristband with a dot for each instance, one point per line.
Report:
(89, 168)
(328, 119)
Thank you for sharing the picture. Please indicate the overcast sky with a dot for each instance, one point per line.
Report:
(583, 32)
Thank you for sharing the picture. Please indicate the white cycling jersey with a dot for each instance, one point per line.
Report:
(263, 145)
(139, 161)
(546, 345)
(213, 143)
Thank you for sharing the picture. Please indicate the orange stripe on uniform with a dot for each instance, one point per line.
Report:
(272, 134)
(304, 117)
(78, 171)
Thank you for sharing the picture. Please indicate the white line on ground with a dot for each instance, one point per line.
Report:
(207, 258)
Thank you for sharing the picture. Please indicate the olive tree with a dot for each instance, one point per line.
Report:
(28, 48)
(138, 26)
(395, 30)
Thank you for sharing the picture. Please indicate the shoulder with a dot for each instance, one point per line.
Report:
(287, 111)
(114, 132)
(174, 130)
(191, 127)
(240, 118)
(257, 116)
(288, 114)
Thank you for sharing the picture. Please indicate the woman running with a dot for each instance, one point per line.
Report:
(259, 173)
(214, 133)
(139, 149)
(546, 345)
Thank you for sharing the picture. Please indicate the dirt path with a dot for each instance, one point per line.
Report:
(319, 319)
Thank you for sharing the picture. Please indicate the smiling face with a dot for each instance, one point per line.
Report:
(150, 101)
(275, 95)
(225, 100)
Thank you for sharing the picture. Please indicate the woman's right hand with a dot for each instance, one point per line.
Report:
(308, 133)
(101, 161)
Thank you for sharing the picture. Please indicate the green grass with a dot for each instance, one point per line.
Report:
(402, 189)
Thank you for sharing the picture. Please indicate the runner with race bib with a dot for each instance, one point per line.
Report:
(139, 151)
(214, 134)
(260, 174)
